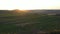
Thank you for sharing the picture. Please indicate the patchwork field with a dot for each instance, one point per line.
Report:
(30, 23)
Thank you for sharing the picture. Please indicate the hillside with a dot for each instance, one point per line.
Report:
(31, 23)
(31, 11)
(28, 23)
(45, 11)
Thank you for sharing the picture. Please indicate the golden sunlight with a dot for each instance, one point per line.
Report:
(20, 11)
(24, 10)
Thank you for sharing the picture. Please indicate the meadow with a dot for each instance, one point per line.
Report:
(28, 24)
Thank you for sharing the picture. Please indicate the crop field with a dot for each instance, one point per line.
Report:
(28, 24)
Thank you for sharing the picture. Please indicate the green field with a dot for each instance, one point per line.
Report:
(35, 23)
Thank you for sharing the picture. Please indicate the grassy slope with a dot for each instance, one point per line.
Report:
(45, 22)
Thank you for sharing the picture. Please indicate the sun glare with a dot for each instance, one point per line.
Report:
(18, 10)
(24, 10)
(28, 4)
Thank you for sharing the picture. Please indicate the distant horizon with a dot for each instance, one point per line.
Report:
(32, 9)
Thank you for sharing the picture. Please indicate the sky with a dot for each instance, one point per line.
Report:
(29, 4)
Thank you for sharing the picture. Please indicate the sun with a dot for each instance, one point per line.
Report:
(20, 11)
(24, 10)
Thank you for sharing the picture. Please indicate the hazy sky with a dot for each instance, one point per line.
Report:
(29, 4)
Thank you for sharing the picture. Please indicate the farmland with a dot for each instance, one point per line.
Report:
(10, 23)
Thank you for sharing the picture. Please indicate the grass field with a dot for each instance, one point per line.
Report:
(35, 23)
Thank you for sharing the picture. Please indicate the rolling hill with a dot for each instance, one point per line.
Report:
(31, 11)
